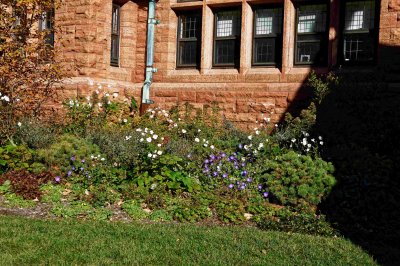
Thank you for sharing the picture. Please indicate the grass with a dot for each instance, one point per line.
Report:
(26, 242)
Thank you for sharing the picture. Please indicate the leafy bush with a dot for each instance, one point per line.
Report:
(134, 210)
(35, 134)
(296, 180)
(26, 184)
(60, 153)
(17, 158)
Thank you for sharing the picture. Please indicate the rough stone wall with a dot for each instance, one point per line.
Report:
(243, 94)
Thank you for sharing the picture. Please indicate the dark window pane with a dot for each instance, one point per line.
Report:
(46, 24)
(360, 15)
(358, 47)
(311, 19)
(312, 37)
(189, 36)
(228, 23)
(115, 35)
(225, 52)
(188, 53)
(268, 21)
(189, 26)
(264, 50)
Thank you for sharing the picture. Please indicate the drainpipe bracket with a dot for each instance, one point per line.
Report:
(153, 21)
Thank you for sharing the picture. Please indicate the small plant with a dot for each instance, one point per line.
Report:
(134, 210)
(297, 180)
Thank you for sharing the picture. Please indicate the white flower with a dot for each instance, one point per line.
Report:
(138, 130)
(304, 142)
(162, 138)
(184, 131)
(143, 134)
(313, 140)
(257, 132)
(199, 130)
(175, 125)
(255, 152)
(276, 125)
(97, 91)
(159, 152)
(141, 140)
(128, 137)
(246, 147)
(196, 140)
(148, 139)
(309, 145)
(293, 140)
(115, 94)
(125, 120)
(205, 145)
(88, 98)
(320, 138)
(100, 104)
(107, 94)
(321, 143)
(260, 146)
(109, 102)
(212, 147)
(307, 150)
(149, 155)
(19, 124)
(154, 156)
(151, 132)
(159, 145)
(151, 117)
(18, 99)
(267, 119)
(102, 159)
(250, 137)
(155, 136)
(71, 102)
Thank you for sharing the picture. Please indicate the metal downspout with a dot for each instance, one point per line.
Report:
(151, 22)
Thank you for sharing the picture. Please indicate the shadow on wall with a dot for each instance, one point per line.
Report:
(360, 121)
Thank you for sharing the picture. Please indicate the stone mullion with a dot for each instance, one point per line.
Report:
(288, 33)
(246, 38)
(206, 39)
(334, 24)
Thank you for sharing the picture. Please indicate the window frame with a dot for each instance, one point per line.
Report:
(277, 37)
(197, 39)
(324, 37)
(236, 61)
(117, 36)
(374, 35)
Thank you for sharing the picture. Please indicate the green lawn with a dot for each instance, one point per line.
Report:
(27, 242)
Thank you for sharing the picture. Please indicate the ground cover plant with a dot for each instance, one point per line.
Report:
(28, 242)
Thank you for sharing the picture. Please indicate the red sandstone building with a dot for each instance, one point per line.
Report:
(249, 56)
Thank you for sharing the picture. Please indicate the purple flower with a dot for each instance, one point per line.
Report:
(225, 175)
(206, 161)
(212, 157)
(215, 174)
(57, 179)
(73, 158)
(223, 155)
(69, 173)
(231, 186)
(232, 158)
(249, 179)
(73, 168)
(240, 146)
(259, 187)
(81, 169)
(265, 194)
(244, 173)
(243, 164)
(83, 161)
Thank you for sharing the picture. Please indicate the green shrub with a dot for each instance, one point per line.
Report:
(17, 158)
(35, 134)
(160, 216)
(59, 154)
(74, 209)
(297, 180)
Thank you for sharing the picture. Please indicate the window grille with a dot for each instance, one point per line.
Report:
(227, 38)
(115, 35)
(267, 43)
(359, 31)
(189, 36)
(311, 34)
